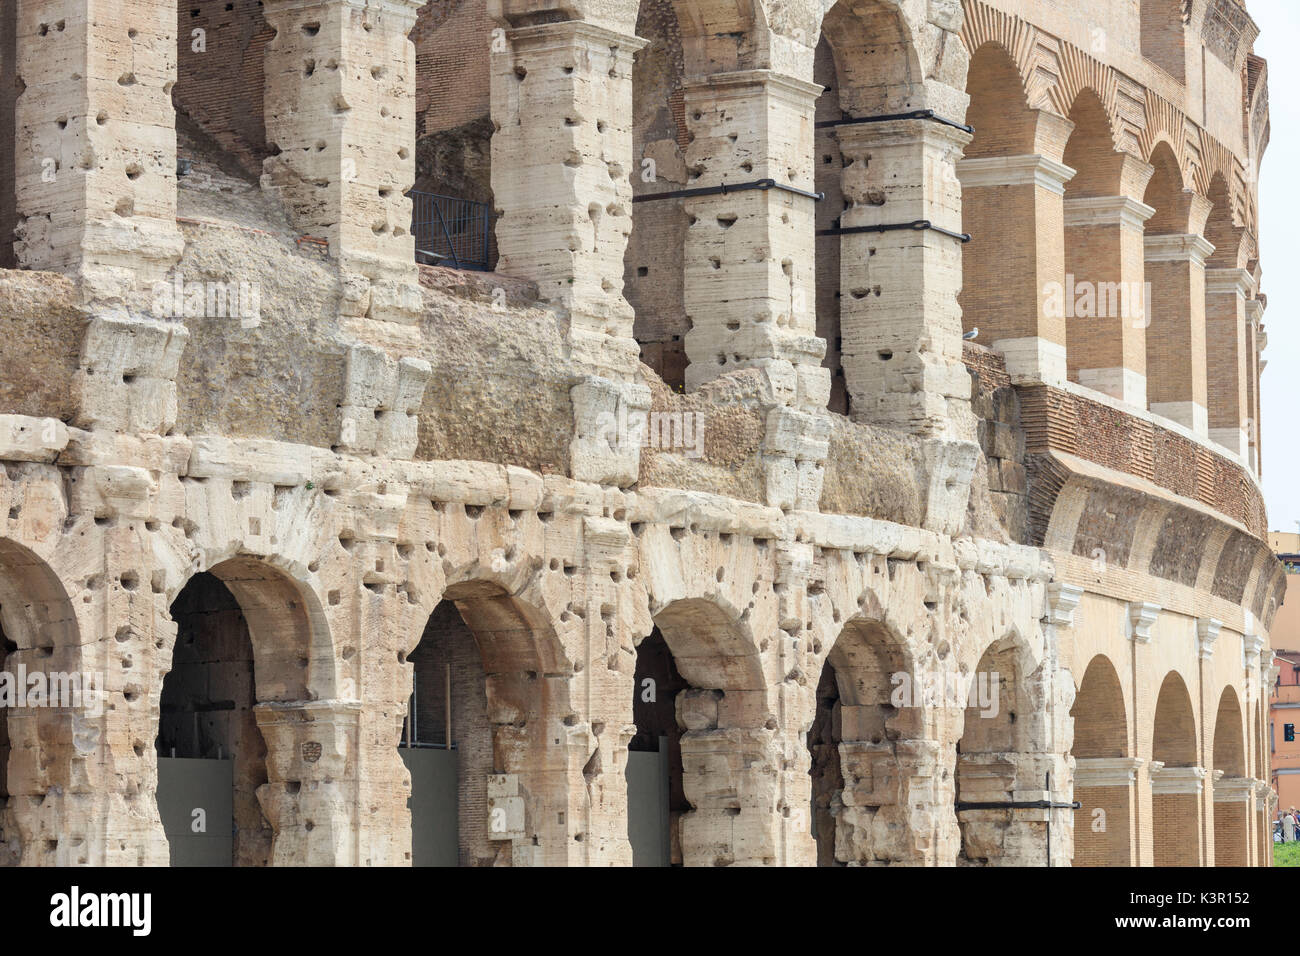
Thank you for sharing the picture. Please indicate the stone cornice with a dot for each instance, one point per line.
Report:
(1233, 789)
(1228, 281)
(1142, 615)
(1207, 632)
(1062, 600)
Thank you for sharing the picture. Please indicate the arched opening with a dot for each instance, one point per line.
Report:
(1176, 785)
(997, 731)
(1104, 774)
(1227, 287)
(488, 782)
(726, 812)
(245, 635)
(38, 634)
(453, 201)
(1103, 291)
(1175, 275)
(1006, 205)
(867, 710)
(1163, 41)
(655, 792)
(653, 267)
(1233, 790)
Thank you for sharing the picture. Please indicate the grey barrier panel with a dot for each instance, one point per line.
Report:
(435, 821)
(647, 806)
(185, 786)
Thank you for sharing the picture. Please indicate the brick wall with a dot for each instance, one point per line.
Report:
(1176, 824)
(220, 86)
(453, 41)
(1058, 420)
(1230, 833)
(1102, 840)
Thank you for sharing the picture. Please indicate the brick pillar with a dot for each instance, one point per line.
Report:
(750, 273)
(1175, 340)
(1014, 208)
(1108, 838)
(340, 108)
(1226, 294)
(1233, 799)
(561, 162)
(899, 318)
(1104, 296)
(96, 142)
(1177, 815)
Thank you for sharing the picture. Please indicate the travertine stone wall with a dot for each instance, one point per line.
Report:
(95, 162)
(340, 105)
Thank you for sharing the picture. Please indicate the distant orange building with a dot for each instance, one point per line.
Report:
(1284, 702)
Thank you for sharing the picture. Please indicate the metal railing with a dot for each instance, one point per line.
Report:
(449, 231)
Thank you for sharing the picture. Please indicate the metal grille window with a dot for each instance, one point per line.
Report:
(449, 231)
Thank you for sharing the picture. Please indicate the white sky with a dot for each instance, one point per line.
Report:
(1279, 249)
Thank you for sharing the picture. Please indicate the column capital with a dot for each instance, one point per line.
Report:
(1107, 211)
(1207, 632)
(1034, 169)
(742, 80)
(1176, 780)
(1141, 616)
(1106, 771)
(1233, 789)
(1062, 600)
(1178, 247)
(1230, 281)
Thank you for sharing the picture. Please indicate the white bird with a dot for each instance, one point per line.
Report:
(971, 334)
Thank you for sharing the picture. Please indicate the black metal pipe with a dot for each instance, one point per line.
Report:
(1021, 805)
(918, 225)
(889, 117)
(763, 184)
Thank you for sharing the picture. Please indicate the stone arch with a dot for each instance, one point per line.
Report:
(249, 641)
(38, 750)
(868, 747)
(496, 664)
(730, 764)
(1003, 749)
(1104, 769)
(876, 58)
(1163, 36)
(1177, 782)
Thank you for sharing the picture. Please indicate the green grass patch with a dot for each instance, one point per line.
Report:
(1286, 854)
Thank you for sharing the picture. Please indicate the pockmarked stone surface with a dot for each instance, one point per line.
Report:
(845, 450)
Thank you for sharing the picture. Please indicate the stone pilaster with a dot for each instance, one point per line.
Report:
(340, 110)
(899, 318)
(96, 151)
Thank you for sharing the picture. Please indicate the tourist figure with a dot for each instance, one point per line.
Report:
(1288, 826)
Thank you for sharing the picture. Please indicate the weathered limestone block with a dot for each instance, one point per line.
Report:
(340, 108)
(96, 151)
(127, 377)
(380, 401)
(899, 318)
(561, 161)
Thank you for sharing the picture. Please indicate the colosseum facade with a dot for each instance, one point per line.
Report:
(846, 453)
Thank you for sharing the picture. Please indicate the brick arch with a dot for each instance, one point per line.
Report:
(1100, 717)
(1229, 754)
(1091, 149)
(1169, 192)
(1224, 228)
(999, 109)
(1174, 736)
